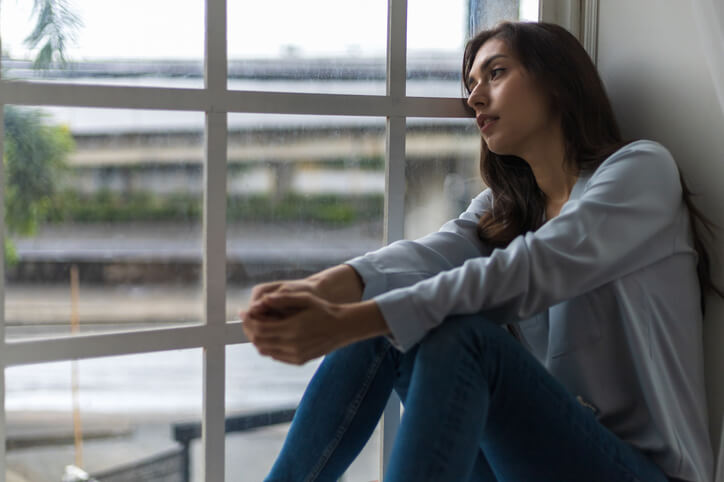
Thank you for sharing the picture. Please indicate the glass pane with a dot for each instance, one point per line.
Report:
(115, 415)
(441, 171)
(304, 193)
(325, 46)
(436, 36)
(104, 219)
(128, 42)
(259, 385)
(255, 385)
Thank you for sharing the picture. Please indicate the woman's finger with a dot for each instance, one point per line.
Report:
(248, 331)
(281, 328)
(260, 290)
(274, 286)
(289, 301)
(261, 310)
(265, 342)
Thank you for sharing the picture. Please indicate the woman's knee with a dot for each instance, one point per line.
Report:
(470, 344)
(369, 348)
(473, 334)
(356, 358)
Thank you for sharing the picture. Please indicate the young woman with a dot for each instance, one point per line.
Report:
(583, 247)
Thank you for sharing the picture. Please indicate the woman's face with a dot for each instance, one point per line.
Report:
(511, 110)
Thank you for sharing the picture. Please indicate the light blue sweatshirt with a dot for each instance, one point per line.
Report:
(605, 296)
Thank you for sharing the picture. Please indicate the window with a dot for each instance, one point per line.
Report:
(114, 42)
(182, 175)
(69, 412)
(325, 46)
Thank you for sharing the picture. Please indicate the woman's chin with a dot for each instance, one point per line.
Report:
(494, 145)
(498, 148)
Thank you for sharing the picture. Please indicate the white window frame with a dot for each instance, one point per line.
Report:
(216, 101)
(580, 17)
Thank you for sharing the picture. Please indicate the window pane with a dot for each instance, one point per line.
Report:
(104, 219)
(254, 385)
(128, 42)
(124, 410)
(259, 385)
(304, 193)
(441, 172)
(326, 46)
(436, 36)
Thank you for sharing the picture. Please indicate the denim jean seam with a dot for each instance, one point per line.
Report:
(349, 416)
(437, 449)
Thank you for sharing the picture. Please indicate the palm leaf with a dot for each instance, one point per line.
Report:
(56, 25)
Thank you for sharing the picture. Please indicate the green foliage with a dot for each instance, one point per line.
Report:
(108, 207)
(34, 152)
(323, 208)
(33, 159)
(11, 255)
(55, 26)
(371, 163)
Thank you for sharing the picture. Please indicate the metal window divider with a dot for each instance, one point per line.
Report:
(394, 210)
(214, 244)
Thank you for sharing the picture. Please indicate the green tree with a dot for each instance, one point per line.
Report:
(34, 154)
(34, 151)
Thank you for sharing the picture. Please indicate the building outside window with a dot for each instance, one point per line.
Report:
(176, 154)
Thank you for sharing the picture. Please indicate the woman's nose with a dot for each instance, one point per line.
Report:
(477, 97)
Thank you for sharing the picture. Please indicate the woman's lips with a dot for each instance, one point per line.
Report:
(485, 122)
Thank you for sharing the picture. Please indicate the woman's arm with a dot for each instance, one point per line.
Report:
(399, 264)
(404, 263)
(295, 321)
(338, 284)
(628, 217)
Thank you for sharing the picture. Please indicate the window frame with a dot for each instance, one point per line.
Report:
(216, 102)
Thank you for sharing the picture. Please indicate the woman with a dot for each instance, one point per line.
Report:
(583, 247)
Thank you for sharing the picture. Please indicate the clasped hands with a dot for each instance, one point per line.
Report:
(297, 321)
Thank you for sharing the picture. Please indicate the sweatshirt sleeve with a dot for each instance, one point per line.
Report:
(404, 263)
(614, 227)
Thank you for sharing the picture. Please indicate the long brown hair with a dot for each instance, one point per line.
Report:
(561, 66)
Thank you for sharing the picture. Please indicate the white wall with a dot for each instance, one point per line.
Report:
(651, 58)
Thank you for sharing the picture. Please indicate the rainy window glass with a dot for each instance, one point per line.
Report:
(304, 193)
(441, 172)
(104, 42)
(327, 46)
(436, 36)
(103, 215)
(116, 418)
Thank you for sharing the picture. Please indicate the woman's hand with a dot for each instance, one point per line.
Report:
(339, 284)
(298, 327)
(280, 287)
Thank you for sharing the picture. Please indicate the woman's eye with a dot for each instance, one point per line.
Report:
(495, 72)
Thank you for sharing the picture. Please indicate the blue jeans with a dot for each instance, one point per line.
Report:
(478, 407)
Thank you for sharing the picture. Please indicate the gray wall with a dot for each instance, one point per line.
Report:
(651, 60)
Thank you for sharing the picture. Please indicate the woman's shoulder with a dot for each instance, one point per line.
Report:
(638, 163)
(645, 151)
(644, 145)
